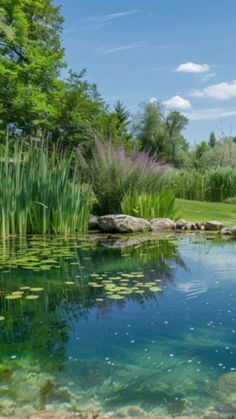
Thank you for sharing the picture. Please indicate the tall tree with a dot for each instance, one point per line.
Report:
(150, 129)
(175, 123)
(212, 140)
(31, 58)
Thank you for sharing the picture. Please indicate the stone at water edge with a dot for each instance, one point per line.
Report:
(190, 226)
(213, 225)
(162, 224)
(93, 222)
(228, 231)
(122, 223)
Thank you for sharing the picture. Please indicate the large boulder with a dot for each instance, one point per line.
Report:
(213, 226)
(122, 223)
(162, 224)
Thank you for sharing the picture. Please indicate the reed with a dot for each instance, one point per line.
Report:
(41, 194)
(150, 205)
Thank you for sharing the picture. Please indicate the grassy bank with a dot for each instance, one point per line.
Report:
(203, 211)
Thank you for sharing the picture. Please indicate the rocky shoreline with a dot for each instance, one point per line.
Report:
(121, 223)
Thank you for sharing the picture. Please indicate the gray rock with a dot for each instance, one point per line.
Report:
(179, 225)
(93, 222)
(213, 225)
(228, 231)
(162, 224)
(122, 223)
(190, 226)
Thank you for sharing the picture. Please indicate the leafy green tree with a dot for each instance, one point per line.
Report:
(212, 140)
(150, 129)
(31, 58)
(175, 124)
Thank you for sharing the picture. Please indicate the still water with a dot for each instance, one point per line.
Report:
(108, 323)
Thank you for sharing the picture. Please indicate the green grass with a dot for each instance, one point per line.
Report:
(206, 211)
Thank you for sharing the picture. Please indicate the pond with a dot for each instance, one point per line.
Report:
(118, 323)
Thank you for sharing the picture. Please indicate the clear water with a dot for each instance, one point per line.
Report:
(118, 322)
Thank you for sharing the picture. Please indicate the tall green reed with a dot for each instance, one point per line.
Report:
(150, 205)
(40, 193)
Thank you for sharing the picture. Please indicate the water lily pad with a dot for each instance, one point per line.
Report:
(2, 318)
(24, 288)
(115, 297)
(32, 297)
(13, 297)
(36, 289)
(155, 289)
(69, 283)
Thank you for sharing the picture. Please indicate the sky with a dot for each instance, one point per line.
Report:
(179, 52)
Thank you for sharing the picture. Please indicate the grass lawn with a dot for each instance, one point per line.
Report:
(206, 211)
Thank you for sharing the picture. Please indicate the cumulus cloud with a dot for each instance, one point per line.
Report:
(192, 68)
(220, 91)
(177, 102)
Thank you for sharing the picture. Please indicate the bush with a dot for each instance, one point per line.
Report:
(115, 172)
(152, 205)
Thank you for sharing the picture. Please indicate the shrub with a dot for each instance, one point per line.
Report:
(115, 172)
(40, 194)
(150, 205)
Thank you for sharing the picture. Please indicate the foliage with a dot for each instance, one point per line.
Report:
(223, 154)
(210, 185)
(114, 171)
(150, 205)
(36, 102)
(160, 135)
(39, 194)
(212, 140)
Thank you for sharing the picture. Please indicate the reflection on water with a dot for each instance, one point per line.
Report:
(118, 321)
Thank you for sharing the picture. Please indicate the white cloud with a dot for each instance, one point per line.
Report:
(210, 114)
(177, 102)
(95, 22)
(120, 48)
(153, 100)
(192, 68)
(220, 91)
(208, 77)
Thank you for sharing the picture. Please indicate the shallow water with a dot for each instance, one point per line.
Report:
(118, 322)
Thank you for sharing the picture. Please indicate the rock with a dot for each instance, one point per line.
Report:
(123, 242)
(225, 387)
(162, 224)
(230, 231)
(211, 414)
(122, 223)
(130, 412)
(190, 226)
(213, 225)
(179, 225)
(93, 222)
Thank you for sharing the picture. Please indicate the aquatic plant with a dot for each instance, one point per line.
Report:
(150, 205)
(114, 172)
(40, 193)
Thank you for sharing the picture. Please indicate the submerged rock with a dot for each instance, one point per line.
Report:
(225, 388)
(130, 412)
(162, 224)
(122, 223)
(213, 226)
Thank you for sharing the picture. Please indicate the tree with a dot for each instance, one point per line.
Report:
(175, 123)
(149, 128)
(31, 58)
(212, 140)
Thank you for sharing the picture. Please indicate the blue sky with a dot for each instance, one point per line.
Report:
(180, 52)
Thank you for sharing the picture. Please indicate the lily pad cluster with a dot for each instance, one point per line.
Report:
(122, 285)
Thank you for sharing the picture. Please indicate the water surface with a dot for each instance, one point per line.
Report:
(118, 322)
